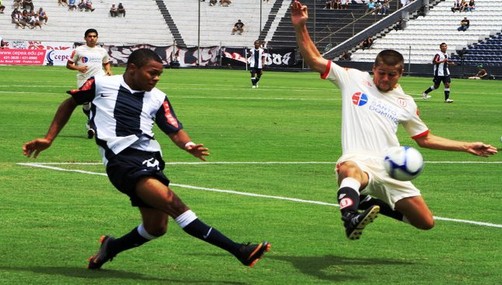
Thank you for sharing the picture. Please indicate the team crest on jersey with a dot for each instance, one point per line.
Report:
(84, 59)
(359, 99)
(402, 102)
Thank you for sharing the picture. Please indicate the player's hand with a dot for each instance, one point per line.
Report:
(34, 147)
(198, 150)
(83, 69)
(299, 14)
(481, 149)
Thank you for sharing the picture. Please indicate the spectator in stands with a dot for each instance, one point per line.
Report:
(238, 28)
(464, 25)
(63, 3)
(213, 2)
(28, 5)
(17, 18)
(121, 10)
(225, 3)
(456, 6)
(371, 7)
(2, 7)
(367, 43)
(385, 7)
(2, 43)
(34, 21)
(345, 4)
(72, 5)
(88, 6)
(328, 5)
(17, 4)
(345, 56)
(481, 74)
(471, 6)
(114, 10)
(464, 5)
(42, 15)
(81, 5)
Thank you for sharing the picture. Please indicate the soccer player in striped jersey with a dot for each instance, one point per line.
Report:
(124, 110)
(372, 110)
(441, 74)
(256, 62)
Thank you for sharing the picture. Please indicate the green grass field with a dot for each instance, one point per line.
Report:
(269, 177)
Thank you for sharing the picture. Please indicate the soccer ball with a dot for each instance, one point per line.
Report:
(403, 162)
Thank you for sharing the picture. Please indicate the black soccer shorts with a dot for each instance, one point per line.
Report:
(126, 168)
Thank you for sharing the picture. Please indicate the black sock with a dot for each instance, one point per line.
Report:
(385, 209)
(125, 242)
(348, 199)
(428, 90)
(446, 94)
(211, 235)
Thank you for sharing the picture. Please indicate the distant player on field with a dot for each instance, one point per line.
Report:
(125, 109)
(372, 109)
(441, 74)
(256, 62)
(89, 60)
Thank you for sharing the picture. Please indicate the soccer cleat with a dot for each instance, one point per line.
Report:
(90, 133)
(356, 222)
(249, 254)
(102, 256)
(425, 96)
(254, 86)
(448, 101)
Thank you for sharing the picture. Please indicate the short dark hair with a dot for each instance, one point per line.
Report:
(90, 31)
(389, 57)
(141, 57)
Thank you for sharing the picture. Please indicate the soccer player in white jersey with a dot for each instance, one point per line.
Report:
(441, 74)
(124, 111)
(256, 62)
(372, 109)
(89, 60)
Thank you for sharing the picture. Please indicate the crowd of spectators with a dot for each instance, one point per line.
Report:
(336, 4)
(24, 15)
(116, 11)
(463, 6)
(223, 3)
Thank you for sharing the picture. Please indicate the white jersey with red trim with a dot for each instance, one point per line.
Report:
(93, 58)
(370, 118)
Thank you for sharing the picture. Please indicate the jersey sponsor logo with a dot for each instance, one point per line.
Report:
(359, 99)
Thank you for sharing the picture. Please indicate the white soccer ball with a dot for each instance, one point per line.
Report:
(403, 162)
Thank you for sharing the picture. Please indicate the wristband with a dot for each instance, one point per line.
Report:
(189, 144)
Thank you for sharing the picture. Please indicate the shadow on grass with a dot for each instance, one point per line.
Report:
(337, 268)
(105, 274)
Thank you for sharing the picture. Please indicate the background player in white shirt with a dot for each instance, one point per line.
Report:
(441, 74)
(89, 60)
(372, 109)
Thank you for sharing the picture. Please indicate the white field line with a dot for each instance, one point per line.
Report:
(48, 165)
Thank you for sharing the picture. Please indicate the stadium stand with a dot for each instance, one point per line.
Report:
(328, 27)
(421, 37)
(216, 21)
(143, 24)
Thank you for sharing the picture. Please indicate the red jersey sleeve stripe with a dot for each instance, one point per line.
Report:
(170, 119)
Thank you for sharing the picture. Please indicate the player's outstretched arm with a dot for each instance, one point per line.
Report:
(63, 114)
(310, 53)
(475, 148)
(183, 141)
